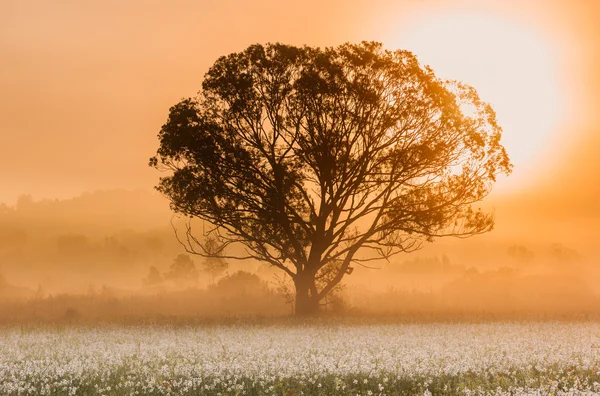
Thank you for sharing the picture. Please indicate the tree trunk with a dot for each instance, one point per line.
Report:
(306, 303)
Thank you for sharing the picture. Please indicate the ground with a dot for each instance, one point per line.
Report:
(295, 358)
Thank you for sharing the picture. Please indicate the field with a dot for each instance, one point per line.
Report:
(293, 359)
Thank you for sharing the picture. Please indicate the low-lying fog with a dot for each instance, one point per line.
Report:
(119, 246)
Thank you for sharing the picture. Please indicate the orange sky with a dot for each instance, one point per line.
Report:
(87, 85)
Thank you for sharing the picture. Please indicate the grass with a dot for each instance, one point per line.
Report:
(553, 380)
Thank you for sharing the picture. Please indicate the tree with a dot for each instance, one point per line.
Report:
(240, 283)
(520, 253)
(213, 264)
(564, 254)
(154, 277)
(316, 160)
(182, 269)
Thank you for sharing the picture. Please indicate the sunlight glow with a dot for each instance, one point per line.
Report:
(512, 66)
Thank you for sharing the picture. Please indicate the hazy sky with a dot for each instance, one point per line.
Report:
(86, 85)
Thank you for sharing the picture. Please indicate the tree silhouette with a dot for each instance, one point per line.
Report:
(520, 253)
(564, 254)
(308, 156)
(213, 264)
(154, 277)
(182, 270)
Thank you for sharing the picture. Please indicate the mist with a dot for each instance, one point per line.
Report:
(87, 88)
(392, 197)
(112, 254)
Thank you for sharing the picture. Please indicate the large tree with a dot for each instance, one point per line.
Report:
(316, 160)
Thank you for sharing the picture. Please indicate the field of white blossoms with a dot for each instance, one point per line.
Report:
(311, 359)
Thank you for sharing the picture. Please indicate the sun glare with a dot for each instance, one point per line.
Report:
(512, 66)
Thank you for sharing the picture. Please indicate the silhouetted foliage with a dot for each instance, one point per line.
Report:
(563, 253)
(240, 282)
(182, 269)
(154, 277)
(429, 265)
(306, 156)
(214, 265)
(113, 248)
(520, 252)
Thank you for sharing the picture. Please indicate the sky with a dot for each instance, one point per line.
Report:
(87, 85)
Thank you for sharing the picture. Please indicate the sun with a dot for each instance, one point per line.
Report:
(513, 67)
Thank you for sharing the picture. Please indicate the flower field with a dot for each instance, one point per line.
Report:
(311, 359)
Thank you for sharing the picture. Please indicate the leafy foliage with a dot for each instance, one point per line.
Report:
(306, 156)
(154, 277)
(182, 269)
(213, 264)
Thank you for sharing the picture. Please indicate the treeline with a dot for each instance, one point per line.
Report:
(501, 293)
(104, 237)
(238, 294)
(114, 254)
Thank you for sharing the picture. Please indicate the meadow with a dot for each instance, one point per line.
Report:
(301, 358)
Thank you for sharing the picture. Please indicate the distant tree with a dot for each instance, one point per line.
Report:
(308, 156)
(115, 249)
(154, 277)
(520, 253)
(182, 269)
(213, 264)
(40, 293)
(428, 265)
(24, 203)
(240, 282)
(563, 253)
(285, 290)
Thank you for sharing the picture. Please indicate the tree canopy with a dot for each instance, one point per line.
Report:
(316, 160)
